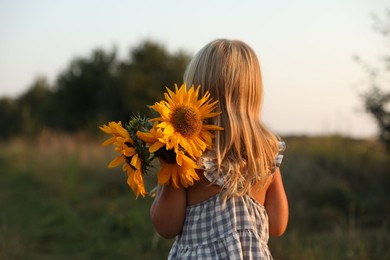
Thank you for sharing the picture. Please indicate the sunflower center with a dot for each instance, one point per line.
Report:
(186, 121)
(168, 156)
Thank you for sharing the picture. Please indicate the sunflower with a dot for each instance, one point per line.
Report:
(134, 176)
(116, 130)
(154, 138)
(175, 165)
(178, 137)
(182, 117)
(128, 156)
(183, 171)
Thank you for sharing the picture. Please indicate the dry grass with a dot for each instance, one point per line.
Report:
(60, 201)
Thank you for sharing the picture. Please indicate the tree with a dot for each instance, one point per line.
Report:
(94, 90)
(377, 104)
(100, 88)
(149, 69)
(10, 119)
(88, 91)
(35, 106)
(376, 99)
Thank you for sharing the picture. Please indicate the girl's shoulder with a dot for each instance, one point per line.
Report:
(202, 190)
(214, 174)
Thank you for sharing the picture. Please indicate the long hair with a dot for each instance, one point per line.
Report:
(245, 150)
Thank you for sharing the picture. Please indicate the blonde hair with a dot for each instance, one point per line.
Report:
(245, 150)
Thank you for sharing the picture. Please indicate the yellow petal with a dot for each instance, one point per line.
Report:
(164, 173)
(179, 156)
(134, 160)
(123, 132)
(136, 183)
(118, 160)
(174, 176)
(164, 124)
(155, 147)
(169, 99)
(105, 129)
(108, 141)
(146, 137)
(175, 140)
(168, 130)
(129, 151)
(139, 181)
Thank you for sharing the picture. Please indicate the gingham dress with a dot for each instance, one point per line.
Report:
(239, 230)
(236, 230)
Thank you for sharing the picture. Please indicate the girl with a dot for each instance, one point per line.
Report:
(239, 199)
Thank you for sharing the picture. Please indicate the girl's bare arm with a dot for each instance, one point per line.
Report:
(276, 205)
(168, 211)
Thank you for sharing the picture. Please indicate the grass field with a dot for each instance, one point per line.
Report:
(58, 200)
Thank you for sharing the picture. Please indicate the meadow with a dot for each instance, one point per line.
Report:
(58, 200)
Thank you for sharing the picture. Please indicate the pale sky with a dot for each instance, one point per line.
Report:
(306, 48)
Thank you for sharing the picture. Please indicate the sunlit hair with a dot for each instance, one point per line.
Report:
(245, 150)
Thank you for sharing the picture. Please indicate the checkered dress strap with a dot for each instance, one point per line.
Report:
(210, 170)
(213, 230)
(279, 156)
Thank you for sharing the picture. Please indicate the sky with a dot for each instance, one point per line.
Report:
(312, 85)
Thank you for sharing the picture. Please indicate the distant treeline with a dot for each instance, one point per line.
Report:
(94, 90)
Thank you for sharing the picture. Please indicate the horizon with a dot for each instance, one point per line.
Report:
(312, 84)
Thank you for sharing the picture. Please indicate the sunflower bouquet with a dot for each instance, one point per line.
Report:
(178, 136)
